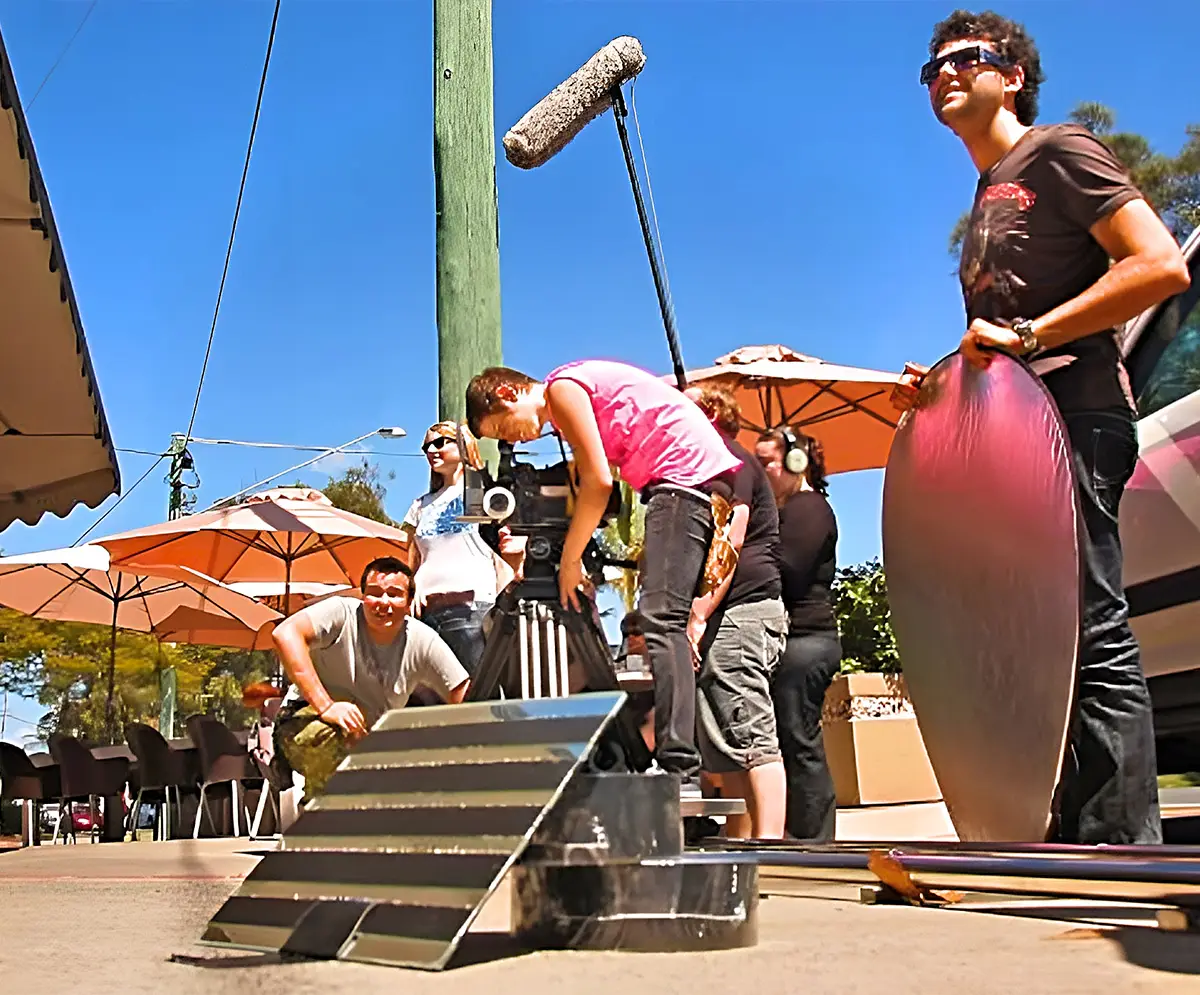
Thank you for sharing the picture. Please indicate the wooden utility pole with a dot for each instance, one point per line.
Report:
(464, 166)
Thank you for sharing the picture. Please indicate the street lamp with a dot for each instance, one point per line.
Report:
(392, 432)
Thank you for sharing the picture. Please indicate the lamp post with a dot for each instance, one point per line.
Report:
(386, 433)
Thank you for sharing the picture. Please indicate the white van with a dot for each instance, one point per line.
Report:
(1160, 515)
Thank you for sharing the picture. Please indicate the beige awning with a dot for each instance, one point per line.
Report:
(55, 448)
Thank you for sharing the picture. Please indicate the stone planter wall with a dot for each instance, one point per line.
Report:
(873, 743)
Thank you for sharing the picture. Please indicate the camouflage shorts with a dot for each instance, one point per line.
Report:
(309, 746)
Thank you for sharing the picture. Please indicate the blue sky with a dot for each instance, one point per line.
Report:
(803, 188)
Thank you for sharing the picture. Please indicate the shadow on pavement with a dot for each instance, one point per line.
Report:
(475, 949)
(1161, 950)
(226, 961)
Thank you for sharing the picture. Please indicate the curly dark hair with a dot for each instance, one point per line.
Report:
(1012, 43)
(815, 474)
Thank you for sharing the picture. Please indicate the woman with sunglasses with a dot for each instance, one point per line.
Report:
(457, 573)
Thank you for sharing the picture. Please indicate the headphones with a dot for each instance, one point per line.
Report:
(795, 456)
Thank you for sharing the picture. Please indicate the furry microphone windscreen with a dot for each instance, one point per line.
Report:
(567, 109)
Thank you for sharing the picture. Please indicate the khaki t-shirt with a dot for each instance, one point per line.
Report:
(374, 676)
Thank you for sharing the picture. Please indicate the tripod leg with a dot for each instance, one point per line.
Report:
(494, 663)
(552, 688)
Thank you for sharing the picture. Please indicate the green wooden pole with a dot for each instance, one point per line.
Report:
(464, 166)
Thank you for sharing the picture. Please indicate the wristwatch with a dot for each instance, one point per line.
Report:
(1029, 343)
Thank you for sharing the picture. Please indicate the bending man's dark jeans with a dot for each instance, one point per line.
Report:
(808, 665)
(679, 530)
(1109, 791)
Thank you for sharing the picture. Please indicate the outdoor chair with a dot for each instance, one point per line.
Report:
(223, 760)
(83, 778)
(262, 750)
(161, 768)
(21, 781)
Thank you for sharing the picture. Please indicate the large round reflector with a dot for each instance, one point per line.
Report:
(981, 551)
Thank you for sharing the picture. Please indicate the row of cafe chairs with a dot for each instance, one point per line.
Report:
(72, 774)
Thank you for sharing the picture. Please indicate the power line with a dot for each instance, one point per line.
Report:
(117, 503)
(262, 85)
(62, 55)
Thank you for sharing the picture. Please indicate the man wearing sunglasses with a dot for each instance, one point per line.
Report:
(1061, 249)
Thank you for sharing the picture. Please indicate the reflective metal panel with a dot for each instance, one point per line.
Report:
(980, 526)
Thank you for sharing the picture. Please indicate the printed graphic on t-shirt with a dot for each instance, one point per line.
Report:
(999, 230)
(445, 521)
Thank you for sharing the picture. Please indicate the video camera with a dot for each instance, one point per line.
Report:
(531, 501)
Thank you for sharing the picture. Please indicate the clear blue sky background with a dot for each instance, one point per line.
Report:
(803, 187)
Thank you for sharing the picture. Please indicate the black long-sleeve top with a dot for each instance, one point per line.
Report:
(808, 553)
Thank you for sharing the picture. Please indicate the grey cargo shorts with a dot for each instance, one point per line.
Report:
(735, 716)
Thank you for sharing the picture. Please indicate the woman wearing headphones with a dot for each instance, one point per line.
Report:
(808, 534)
(456, 573)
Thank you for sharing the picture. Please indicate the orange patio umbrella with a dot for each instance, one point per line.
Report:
(195, 626)
(81, 584)
(288, 535)
(846, 408)
(298, 594)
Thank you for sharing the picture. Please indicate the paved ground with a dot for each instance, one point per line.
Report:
(109, 918)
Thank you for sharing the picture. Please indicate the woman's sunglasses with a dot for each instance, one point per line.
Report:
(962, 59)
(439, 443)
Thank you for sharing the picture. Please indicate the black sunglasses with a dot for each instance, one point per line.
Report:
(962, 59)
(440, 442)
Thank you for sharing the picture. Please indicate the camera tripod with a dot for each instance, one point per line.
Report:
(535, 648)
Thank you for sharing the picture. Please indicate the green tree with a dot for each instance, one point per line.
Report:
(360, 491)
(865, 619)
(64, 665)
(1170, 183)
(623, 539)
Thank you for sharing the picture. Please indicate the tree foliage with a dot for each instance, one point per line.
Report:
(864, 619)
(1170, 183)
(623, 539)
(64, 666)
(360, 491)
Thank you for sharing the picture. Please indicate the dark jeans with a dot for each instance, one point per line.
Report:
(1109, 789)
(679, 529)
(461, 627)
(808, 665)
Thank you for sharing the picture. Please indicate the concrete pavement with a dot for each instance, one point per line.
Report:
(112, 917)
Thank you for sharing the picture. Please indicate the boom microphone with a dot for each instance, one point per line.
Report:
(551, 124)
(569, 107)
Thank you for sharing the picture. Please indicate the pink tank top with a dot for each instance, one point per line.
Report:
(650, 431)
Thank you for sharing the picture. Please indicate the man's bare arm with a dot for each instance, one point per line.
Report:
(292, 638)
(1147, 269)
(456, 696)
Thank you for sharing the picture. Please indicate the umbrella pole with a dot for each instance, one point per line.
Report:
(109, 717)
(287, 606)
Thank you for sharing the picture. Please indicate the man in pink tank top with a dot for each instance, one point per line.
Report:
(665, 448)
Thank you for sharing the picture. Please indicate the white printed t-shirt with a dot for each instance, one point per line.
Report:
(375, 676)
(454, 557)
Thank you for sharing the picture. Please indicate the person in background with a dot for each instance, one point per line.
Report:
(350, 661)
(457, 575)
(808, 534)
(738, 636)
(613, 414)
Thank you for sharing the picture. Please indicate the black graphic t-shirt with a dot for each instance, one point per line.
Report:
(1029, 248)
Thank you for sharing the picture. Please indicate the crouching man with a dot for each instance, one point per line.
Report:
(350, 661)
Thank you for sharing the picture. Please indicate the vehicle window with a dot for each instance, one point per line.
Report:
(1168, 355)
